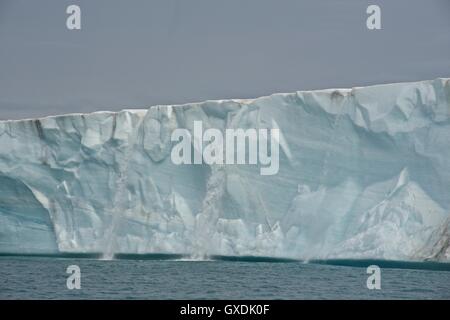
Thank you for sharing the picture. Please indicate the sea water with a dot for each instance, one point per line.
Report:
(45, 278)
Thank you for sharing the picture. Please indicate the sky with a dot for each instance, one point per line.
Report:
(135, 54)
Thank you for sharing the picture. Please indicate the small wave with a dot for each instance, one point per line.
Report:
(252, 259)
(58, 255)
(149, 256)
(361, 263)
(187, 259)
(390, 264)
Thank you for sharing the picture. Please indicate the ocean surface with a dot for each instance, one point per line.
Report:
(155, 277)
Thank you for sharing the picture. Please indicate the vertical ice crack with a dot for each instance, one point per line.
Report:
(120, 200)
(206, 220)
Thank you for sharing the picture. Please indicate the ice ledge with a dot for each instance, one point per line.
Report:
(367, 175)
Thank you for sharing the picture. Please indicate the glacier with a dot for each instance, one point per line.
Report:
(363, 173)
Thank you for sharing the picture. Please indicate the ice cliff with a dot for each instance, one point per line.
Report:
(364, 173)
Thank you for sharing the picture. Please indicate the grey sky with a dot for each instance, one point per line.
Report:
(132, 54)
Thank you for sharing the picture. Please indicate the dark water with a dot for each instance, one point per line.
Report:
(239, 278)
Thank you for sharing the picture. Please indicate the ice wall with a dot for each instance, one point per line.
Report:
(364, 173)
